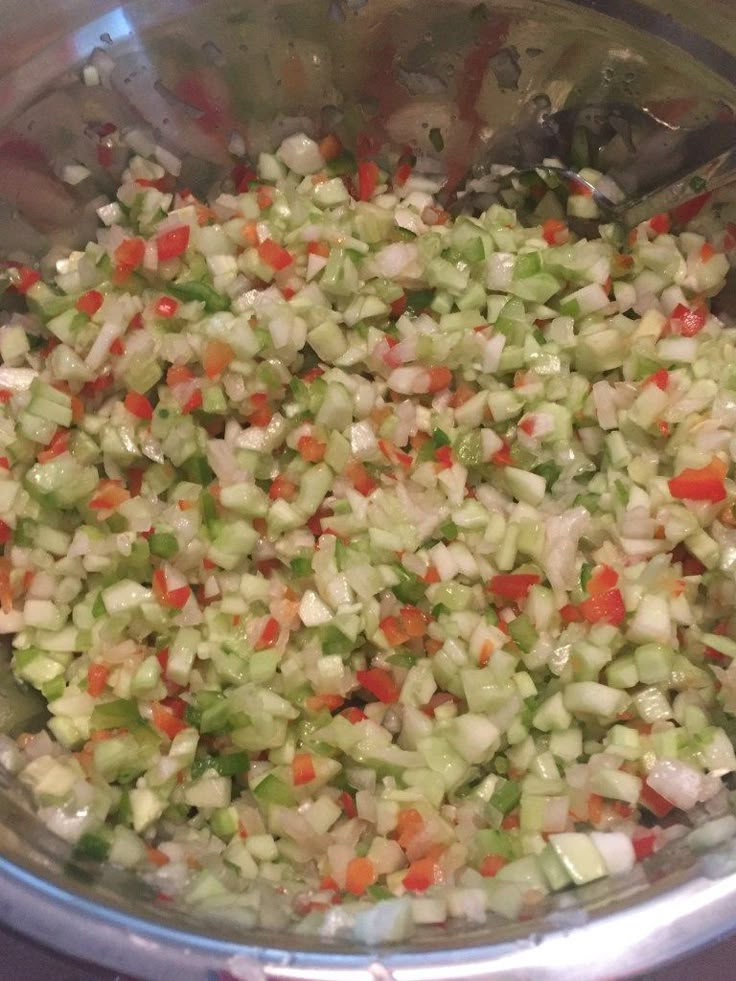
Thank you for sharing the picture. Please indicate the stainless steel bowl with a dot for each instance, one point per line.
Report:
(645, 84)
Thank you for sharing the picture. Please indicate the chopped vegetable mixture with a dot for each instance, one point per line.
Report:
(377, 568)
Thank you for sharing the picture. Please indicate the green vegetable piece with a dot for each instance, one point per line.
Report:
(163, 544)
(94, 845)
(121, 713)
(214, 302)
(523, 633)
(506, 797)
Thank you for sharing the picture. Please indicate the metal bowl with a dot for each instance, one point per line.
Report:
(640, 86)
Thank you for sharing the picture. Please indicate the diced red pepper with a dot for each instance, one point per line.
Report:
(274, 255)
(502, 457)
(100, 384)
(4, 463)
(262, 413)
(660, 378)
(242, 177)
(166, 721)
(439, 379)
(360, 874)
(644, 845)
(311, 449)
(348, 804)
(393, 631)
(166, 307)
(177, 706)
(309, 376)
(172, 243)
(570, 614)
(705, 484)
(282, 488)
(59, 444)
(555, 232)
(110, 495)
(97, 679)
(264, 197)
(379, 683)
(425, 872)
(403, 173)
(194, 402)
(175, 599)
(158, 858)
(138, 405)
(443, 456)
(22, 278)
(413, 621)
(687, 322)
(316, 703)
(353, 714)
(216, 356)
(160, 184)
(360, 478)
(6, 532)
(707, 252)
(605, 607)
(492, 865)
(395, 455)
(178, 374)
(367, 179)
(685, 212)
(409, 824)
(654, 802)
(5, 396)
(660, 224)
(302, 769)
(269, 635)
(90, 302)
(603, 579)
(513, 586)
(128, 257)
(399, 306)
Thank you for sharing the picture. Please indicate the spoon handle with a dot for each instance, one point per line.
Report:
(709, 176)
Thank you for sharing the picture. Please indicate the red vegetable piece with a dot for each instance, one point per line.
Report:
(660, 378)
(23, 277)
(491, 865)
(166, 307)
(269, 635)
(166, 721)
(379, 683)
(660, 224)
(274, 255)
(687, 322)
(172, 243)
(705, 484)
(605, 607)
(367, 179)
(393, 631)
(603, 579)
(302, 769)
(513, 586)
(90, 302)
(654, 802)
(138, 405)
(97, 679)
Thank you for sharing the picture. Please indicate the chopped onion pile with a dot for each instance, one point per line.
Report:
(376, 568)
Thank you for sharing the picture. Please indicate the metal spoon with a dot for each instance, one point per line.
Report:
(613, 205)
